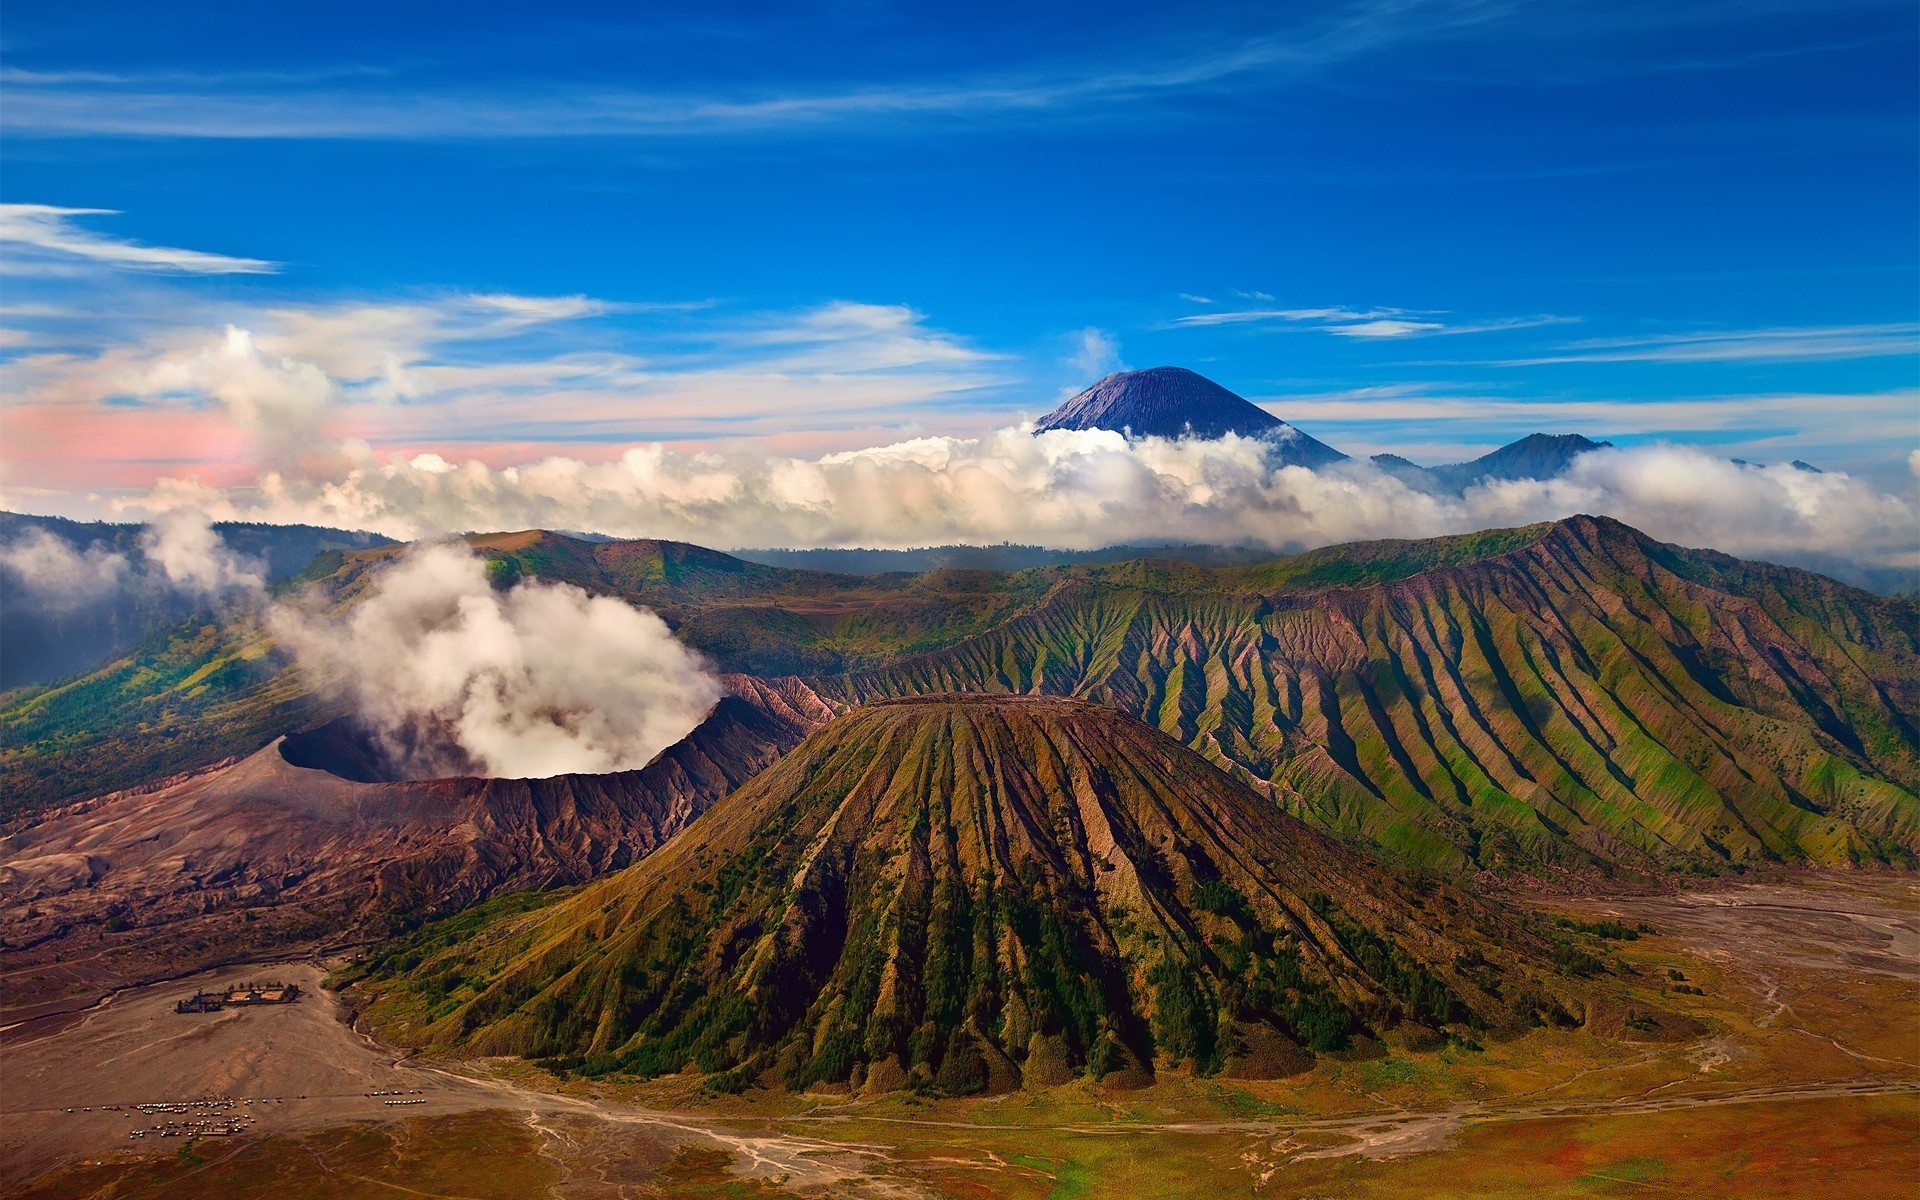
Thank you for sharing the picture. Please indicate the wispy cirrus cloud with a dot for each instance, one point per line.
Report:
(1365, 323)
(1787, 344)
(255, 105)
(1254, 316)
(41, 236)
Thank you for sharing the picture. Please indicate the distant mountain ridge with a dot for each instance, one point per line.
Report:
(47, 636)
(857, 561)
(1536, 456)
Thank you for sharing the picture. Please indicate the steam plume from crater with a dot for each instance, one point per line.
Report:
(453, 677)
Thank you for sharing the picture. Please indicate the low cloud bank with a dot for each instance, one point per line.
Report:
(1071, 489)
(455, 677)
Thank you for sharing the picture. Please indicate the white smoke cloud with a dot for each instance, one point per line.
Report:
(53, 571)
(181, 548)
(451, 675)
(454, 676)
(178, 552)
(1070, 489)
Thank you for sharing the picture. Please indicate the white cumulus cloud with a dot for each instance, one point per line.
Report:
(1074, 489)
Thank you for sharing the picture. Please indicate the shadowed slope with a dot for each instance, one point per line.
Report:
(971, 891)
(50, 633)
(1536, 456)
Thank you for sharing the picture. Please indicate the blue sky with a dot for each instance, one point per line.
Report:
(1429, 227)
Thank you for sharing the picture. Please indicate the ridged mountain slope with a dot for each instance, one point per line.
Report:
(1581, 694)
(977, 892)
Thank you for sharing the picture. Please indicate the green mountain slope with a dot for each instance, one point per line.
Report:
(1581, 694)
(972, 892)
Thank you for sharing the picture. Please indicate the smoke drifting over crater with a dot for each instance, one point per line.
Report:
(454, 677)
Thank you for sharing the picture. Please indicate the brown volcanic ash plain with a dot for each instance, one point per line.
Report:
(262, 858)
(287, 1067)
(1805, 1085)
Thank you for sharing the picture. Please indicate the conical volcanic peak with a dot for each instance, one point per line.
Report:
(1536, 456)
(975, 892)
(1172, 402)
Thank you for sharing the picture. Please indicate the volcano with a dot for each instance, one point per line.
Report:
(968, 893)
(1536, 456)
(1172, 402)
(312, 839)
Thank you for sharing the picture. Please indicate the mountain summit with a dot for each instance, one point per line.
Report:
(1173, 402)
(1536, 456)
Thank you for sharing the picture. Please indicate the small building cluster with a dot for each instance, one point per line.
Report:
(214, 1116)
(239, 996)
